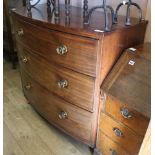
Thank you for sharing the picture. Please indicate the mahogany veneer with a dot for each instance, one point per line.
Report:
(63, 64)
(126, 103)
(78, 122)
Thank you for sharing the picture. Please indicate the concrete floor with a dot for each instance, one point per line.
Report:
(25, 132)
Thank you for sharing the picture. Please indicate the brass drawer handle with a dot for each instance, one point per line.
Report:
(125, 113)
(63, 115)
(118, 132)
(20, 32)
(61, 50)
(24, 59)
(113, 152)
(28, 86)
(62, 83)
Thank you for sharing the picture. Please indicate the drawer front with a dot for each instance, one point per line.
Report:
(108, 147)
(126, 115)
(73, 52)
(120, 134)
(71, 119)
(76, 88)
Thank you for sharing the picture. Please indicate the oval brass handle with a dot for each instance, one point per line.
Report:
(62, 83)
(113, 152)
(61, 50)
(24, 59)
(63, 115)
(125, 113)
(20, 32)
(118, 132)
(28, 86)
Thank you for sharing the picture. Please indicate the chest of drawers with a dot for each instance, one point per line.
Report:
(62, 66)
(126, 103)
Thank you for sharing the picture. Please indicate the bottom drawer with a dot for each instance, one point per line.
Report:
(108, 147)
(71, 119)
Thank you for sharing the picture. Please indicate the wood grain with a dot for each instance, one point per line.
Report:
(10, 142)
(132, 84)
(80, 57)
(105, 48)
(106, 145)
(137, 122)
(120, 40)
(78, 122)
(80, 87)
(130, 141)
(24, 134)
(76, 25)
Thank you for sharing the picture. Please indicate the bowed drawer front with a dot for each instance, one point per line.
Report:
(129, 116)
(73, 52)
(75, 121)
(109, 147)
(120, 134)
(72, 86)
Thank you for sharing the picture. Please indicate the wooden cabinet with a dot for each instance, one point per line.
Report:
(62, 66)
(126, 103)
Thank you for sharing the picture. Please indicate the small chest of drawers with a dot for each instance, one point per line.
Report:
(62, 66)
(126, 103)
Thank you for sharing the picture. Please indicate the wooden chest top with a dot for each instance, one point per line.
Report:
(130, 79)
(40, 17)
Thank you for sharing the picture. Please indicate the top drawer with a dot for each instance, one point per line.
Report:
(73, 52)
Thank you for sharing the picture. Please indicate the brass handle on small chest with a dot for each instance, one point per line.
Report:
(113, 152)
(28, 86)
(125, 113)
(61, 50)
(24, 59)
(118, 132)
(20, 32)
(62, 83)
(63, 115)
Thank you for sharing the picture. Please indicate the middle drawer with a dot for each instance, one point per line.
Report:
(76, 88)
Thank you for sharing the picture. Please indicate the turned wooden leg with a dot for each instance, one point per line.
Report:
(27, 101)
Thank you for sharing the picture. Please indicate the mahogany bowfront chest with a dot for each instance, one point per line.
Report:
(63, 64)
